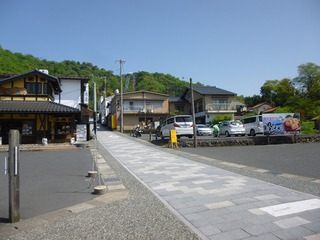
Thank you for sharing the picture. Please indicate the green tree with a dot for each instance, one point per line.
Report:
(284, 89)
(277, 92)
(309, 80)
(268, 90)
(254, 100)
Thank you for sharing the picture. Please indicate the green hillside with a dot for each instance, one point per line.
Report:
(17, 63)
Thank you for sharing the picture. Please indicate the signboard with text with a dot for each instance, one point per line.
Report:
(81, 132)
(281, 123)
(173, 136)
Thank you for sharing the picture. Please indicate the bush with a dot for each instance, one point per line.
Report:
(308, 128)
(221, 118)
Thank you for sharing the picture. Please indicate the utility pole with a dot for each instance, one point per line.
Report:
(95, 111)
(193, 116)
(121, 95)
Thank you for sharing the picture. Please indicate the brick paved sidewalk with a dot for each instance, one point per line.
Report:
(215, 203)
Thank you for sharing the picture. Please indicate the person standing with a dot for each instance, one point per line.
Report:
(216, 130)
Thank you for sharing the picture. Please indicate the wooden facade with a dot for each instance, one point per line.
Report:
(27, 104)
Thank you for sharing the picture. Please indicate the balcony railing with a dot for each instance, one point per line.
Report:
(214, 107)
(132, 109)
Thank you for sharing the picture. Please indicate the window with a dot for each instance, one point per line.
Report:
(31, 88)
(45, 88)
(220, 104)
(37, 88)
(184, 119)
(170, 120)
(157, 105)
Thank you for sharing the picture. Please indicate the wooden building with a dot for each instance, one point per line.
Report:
(27, 103)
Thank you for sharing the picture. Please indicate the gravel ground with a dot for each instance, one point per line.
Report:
(140, 216)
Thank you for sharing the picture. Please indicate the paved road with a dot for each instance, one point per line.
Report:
(298, 159)
(49, 180)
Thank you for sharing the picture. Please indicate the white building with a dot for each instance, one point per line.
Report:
(75, 92)
(103, 108)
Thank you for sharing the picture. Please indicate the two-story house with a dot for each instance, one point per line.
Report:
(149, 108)
(30, 102)
(210, 102)
(141, 107)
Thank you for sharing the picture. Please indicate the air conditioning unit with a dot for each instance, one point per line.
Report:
(44, 71)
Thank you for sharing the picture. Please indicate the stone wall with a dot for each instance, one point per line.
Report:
(245, 141)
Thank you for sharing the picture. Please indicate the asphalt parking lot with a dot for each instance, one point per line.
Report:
(49, 180)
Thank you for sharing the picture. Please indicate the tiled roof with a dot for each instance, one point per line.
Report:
(208, 90)
(269, 110)
(177, 99)
(35, 107)
(260, 104)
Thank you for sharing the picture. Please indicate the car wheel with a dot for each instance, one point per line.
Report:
(252, 132)
(227, 134)
(161, 135)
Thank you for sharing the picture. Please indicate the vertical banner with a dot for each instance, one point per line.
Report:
(86, 94)
(81, 132)
(281, 123)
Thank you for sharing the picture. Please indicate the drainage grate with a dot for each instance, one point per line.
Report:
(114, 179)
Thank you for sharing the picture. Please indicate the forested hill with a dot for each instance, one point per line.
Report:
(17, 63)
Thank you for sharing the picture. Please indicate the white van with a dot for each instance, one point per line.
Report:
(183, 124)
(253, 125)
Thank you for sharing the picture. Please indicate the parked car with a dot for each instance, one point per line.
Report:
(229, 128)
(183, 124)
(203, 130)
(253, 125)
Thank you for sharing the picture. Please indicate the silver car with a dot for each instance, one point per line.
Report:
(203, 130)
(229, 128)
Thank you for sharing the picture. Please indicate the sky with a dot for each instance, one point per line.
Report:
(236, 45)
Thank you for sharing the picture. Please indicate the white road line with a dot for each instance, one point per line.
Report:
(291, 208)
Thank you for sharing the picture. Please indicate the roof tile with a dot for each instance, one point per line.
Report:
(35, 107)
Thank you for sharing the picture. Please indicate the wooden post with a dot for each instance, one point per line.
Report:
(14, 179)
